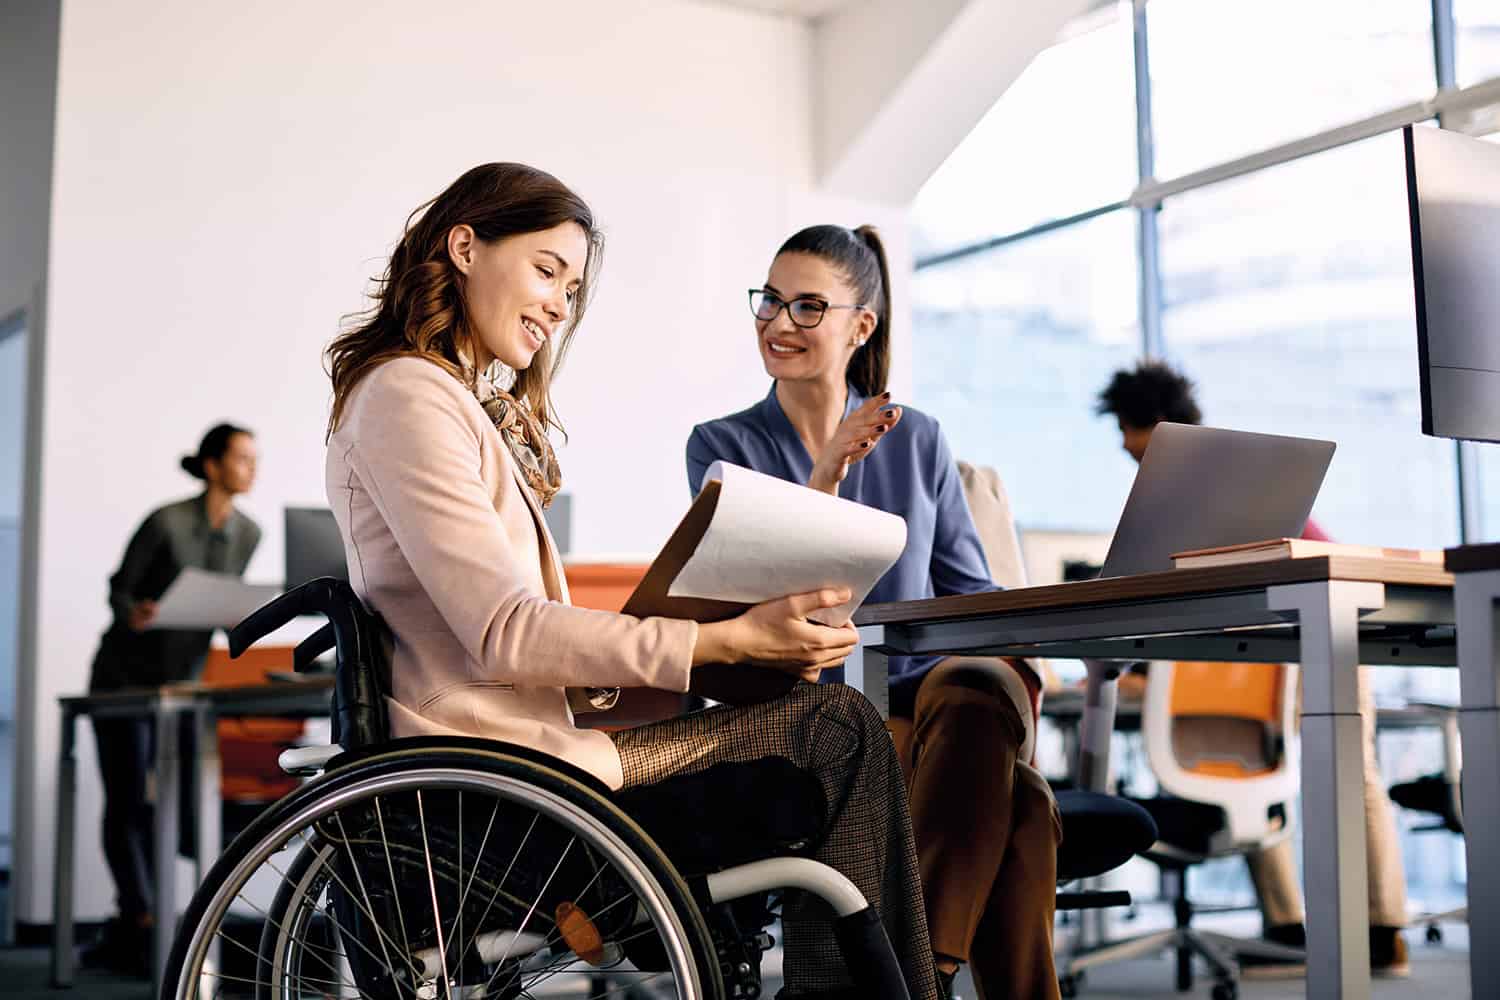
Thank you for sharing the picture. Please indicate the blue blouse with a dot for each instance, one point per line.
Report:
(911, 473)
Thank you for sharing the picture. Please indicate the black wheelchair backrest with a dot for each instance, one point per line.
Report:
(360, 641)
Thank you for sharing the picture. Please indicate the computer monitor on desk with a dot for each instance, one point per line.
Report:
(1453, 192)
(314, 547)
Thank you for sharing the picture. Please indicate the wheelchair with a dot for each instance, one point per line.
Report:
(459, 869)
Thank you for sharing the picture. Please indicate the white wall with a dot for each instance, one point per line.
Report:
(227, 178)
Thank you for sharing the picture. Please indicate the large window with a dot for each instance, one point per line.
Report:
(1288, 298)
(1478, 24)
(1012, 347)
(1285, 292)
(1229, 78)
(1487, 491)
(1029, 160)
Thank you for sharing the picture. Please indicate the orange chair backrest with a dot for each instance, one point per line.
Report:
(1237, 704)
(1229, 690)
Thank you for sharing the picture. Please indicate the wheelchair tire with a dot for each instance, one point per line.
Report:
(328, 862)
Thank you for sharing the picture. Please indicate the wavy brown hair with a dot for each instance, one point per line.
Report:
(419, 305)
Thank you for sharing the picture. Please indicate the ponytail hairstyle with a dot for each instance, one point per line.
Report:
(215, 443)
(858, 255)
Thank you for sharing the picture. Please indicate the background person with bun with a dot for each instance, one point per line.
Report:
(205, 531)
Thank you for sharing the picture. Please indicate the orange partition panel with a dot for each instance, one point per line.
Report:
(603, 586)
(606, 587)
(248, 747)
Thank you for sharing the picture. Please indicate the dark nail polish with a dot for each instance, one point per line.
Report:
(890, 413)
(881, 429)
(864, 444)
(885, 395)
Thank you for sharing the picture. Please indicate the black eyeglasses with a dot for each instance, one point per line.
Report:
(805, 312)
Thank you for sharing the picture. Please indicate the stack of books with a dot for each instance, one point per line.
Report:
(1273, 549)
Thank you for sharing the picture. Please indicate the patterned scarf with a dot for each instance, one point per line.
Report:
(525, 436)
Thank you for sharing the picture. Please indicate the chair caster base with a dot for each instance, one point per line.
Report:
(1225, 990)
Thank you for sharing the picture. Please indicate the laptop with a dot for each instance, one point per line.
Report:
(1202, 487)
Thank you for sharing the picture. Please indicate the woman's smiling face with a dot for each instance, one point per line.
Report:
(822, 352)
(520, 290)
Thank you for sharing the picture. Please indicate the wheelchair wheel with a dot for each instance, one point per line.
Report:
(443, 874)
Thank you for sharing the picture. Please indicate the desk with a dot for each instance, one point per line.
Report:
(165, 705)
(1329, 614)
(1476, 585)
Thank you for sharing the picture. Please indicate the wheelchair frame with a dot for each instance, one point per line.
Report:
(365, 759)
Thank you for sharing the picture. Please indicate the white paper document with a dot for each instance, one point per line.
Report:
(198, 599)
(769, 538)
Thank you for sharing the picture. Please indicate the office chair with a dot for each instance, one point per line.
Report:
(1437, 795)
(1221, 739)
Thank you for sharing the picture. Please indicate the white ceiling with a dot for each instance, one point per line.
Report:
(807, 9)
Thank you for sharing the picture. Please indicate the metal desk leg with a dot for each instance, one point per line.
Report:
(1475, 596)
(168, 774)
(208, 784)
(868, 668)
(1335, 871)
(62, 872)
(210, 806)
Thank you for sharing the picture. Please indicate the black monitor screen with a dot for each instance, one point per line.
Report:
(1453, 185)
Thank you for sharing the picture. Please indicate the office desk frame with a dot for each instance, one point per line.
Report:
(165, 706)
(1476, 574)
(1330, 614)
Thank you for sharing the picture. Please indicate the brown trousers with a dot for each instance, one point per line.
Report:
(987, 829)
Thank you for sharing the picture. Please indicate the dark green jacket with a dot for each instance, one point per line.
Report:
(171, 538)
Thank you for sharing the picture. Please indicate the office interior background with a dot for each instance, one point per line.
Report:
(194, 194)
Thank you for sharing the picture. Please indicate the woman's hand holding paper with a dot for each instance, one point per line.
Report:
(777, 636)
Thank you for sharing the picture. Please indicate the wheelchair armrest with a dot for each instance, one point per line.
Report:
(314, 646)
(304, 762)
(333, 599)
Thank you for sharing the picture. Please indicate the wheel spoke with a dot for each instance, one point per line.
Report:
(280, 927)
(395, 889)
(478, 924)
(255, 954)
(437, 916)
(534, 904)
(374, 923)
(359, 878)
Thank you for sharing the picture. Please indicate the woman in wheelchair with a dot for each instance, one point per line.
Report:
(453, 865)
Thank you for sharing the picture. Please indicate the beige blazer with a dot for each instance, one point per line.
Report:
(447, 543)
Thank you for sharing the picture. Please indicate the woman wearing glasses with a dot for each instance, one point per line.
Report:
(987, 848)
